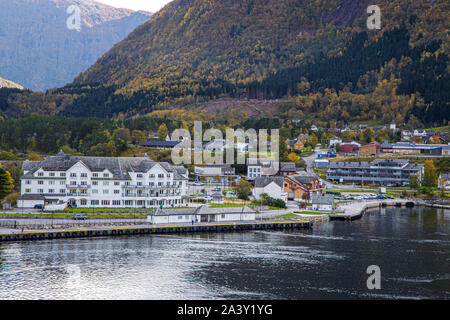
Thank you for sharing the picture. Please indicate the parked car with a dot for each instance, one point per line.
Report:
(381, 197)
(198, 183)
(79, 217)
(39, 206)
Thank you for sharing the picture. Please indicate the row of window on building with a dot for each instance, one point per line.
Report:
(104, 175)
(84, 202)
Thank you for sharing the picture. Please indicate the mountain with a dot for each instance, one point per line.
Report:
(9, 84)
(195, 50)
(38, 50)
(296, 59)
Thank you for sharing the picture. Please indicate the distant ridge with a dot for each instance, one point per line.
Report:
(40, 52)
(9, 84)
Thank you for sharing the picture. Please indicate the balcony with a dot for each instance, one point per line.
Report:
(77, 194)
(78, 186)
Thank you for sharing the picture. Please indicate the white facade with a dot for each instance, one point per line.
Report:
(95, 182)
(261, 167)
(29, 203)
(201, 214)
(273, 190)
(322, 207)
(335, 140)
(419, 133)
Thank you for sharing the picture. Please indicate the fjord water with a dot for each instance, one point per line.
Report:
(411, 247)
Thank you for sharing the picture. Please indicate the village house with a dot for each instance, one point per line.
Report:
(406, 135)
(287, 169)
(273, 186)
(223, 174)
(419, 133)
(200, 214)
(444, 181)
(392, 126)
(322, 202)
(260, 167)
(348, 149)
(334, 141)
(217, 198)
(301, 187)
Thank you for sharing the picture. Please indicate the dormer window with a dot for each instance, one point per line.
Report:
(95, 175)
(40, 174)
(106, 175)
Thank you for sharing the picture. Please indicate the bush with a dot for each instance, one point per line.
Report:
(272, 202)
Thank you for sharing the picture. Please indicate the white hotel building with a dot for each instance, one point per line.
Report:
(103, 182)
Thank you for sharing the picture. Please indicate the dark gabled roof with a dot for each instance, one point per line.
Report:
(261, 182)
(303, 179)
(200, 210)
(119, 167)
(287, 166)
(29, 196)
(160, 144)
(322, 199)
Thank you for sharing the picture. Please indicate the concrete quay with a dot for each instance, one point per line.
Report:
(355, 210)
(153, 229)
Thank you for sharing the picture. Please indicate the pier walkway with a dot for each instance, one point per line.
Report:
(153, 229)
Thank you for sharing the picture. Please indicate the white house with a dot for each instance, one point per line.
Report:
(200, 214)
(217, 198)
(102, 182)
(260, 167)
(30, 200)
(419, 133)
(324, 202)
(273, 186)
(335, 140)
(392, 126)
(216, 173)
(444, 181)
(406, 135)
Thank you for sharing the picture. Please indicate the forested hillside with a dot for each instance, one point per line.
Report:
(317, 57)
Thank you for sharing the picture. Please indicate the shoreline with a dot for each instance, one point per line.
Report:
(164, 229)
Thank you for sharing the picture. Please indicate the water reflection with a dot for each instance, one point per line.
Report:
(410, 246)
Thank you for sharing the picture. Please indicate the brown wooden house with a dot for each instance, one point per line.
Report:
(301, 187)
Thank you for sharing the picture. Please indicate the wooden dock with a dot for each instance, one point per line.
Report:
(134, 230)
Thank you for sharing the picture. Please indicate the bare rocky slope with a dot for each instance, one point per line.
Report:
(39, 51)
(9, 84)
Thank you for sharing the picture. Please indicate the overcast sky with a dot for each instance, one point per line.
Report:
(147, 5)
